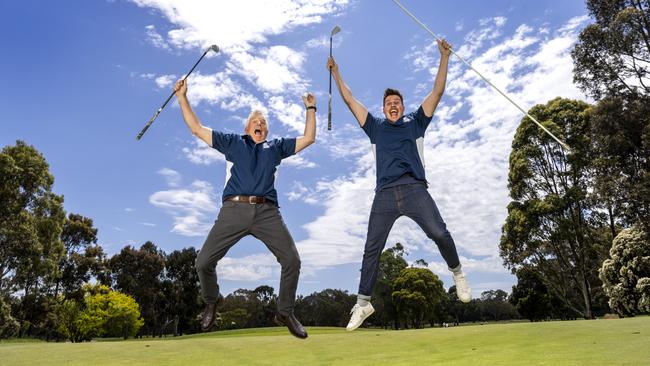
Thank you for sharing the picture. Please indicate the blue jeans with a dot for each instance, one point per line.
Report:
(415, 202)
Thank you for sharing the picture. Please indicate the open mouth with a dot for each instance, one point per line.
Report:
(257, 132)
(393, 112)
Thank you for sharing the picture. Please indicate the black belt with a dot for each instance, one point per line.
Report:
(253, 200)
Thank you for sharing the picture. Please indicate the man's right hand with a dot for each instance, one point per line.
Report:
(332, 65)
(180, 89)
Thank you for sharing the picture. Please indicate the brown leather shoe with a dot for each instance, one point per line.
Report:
(207, 319)
(292, 323)
(210, 315)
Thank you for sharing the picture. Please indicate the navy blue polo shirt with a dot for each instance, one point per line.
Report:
(396, 148)
(253, 165)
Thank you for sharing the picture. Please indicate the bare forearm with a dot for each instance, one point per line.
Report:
(441, 77)
(191, 120)
(343, 88)
(310, 126)
(430, 103)
(358, 110)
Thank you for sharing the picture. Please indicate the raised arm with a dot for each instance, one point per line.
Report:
(309, 136)
(431, 101)
(191, 120)
(359, 111)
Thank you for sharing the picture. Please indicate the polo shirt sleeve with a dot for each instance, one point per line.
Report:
(370, 126)
(286, 147)
(222, 141)
(421, 121)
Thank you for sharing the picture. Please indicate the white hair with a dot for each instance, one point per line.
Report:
(256, 112)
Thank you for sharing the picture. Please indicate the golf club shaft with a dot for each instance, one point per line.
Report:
(329, 101)
(153, 118)
(562, 144)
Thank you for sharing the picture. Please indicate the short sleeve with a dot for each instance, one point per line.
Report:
(286, 147)
(421, 120)
(370, 126)
(222, 141)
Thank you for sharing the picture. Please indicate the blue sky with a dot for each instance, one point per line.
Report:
(82, 78)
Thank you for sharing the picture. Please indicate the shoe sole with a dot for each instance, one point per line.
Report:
(361, 322)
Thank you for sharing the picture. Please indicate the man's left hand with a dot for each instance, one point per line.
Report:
(309, 100)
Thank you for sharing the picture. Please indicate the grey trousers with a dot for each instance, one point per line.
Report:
(237, 220)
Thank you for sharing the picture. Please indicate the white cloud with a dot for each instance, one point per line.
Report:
(172, 177)
(250, 268)
(192, 208)
(219, 89)
(299, 162)
(290, 114)
(155, 38)
(147, 224)
(164, 81)
(276, 71)
(250, 64)
(202, 154)
(202, 23)
(323, 42)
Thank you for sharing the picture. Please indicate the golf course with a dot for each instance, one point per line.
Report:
(596, 342)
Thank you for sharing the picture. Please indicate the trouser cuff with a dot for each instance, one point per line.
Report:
(456, 269)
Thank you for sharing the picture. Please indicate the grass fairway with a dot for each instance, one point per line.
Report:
(595, 342)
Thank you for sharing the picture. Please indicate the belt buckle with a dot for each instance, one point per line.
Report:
(252, 200)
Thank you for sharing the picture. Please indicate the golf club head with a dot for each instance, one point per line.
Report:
(214, 48)
(335, 30)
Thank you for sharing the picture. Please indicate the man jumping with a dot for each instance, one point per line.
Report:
(401, 184)
(250, 204)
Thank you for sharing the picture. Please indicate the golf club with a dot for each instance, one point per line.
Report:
(214, 48)
(562, 144)
(329, 101)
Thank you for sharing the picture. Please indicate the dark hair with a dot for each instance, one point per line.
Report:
(390, 91)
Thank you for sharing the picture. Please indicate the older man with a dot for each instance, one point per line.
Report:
(250, 204)
(401, 184)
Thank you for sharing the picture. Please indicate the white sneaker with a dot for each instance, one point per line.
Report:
(359, 314)
(462, 287)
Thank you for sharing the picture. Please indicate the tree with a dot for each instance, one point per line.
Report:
(234, 319)
(8, 325)
(552, 224)
(329, 307)
(621, 142)
(626, 274)
(418, 296)
(495, 306)
(612, 56)
(139, 273)
(183, 284)
(612, 64)
(391, 264)
(266, 297)
(83, 257)
(530, 296)
(31, 220)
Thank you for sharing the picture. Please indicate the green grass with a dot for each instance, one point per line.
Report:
(595, 342)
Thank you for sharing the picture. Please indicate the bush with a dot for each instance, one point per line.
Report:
(8, 325)
(626, 274)
(104, 312)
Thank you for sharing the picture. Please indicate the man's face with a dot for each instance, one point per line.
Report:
(257, 128)
(393, 108)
